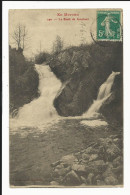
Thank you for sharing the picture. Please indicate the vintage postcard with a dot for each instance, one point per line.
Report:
(66, 97)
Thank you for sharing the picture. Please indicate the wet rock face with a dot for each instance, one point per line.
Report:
(89, 167)
(85, 69)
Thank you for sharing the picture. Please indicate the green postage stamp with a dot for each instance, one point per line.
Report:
(109, 25)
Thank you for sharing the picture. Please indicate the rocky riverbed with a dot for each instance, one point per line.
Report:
(66, 154)
(99, 164)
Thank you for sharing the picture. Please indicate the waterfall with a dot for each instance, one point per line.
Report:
(41, 109)
(103, 94)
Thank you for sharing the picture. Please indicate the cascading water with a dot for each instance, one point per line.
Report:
(41, 110)
(103, 94)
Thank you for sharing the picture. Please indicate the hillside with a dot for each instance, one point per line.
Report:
(23, 80)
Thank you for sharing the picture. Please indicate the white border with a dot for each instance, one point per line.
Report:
(5, 137)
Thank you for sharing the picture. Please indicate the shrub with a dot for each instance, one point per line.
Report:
(23, 80)
(41, 58)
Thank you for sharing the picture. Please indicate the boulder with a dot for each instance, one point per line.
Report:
(68, 159)
(60, 172)
(100, 183)
(83, 179)
(83, 185)
(112, 151)
(118, 170)
(60, 166)
(55, 163)
(111, 180)
(85, 156)
(93, 157)
(108, 172)
(54, 183)
(71, 179)
(80, 169)
(117, 161)
(97, 166)
(90, 178)
(90, 150)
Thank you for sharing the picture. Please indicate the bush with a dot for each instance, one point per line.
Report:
(41, 58)
(23, 80)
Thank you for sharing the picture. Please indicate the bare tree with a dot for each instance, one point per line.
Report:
(57, 45)
(20, 36)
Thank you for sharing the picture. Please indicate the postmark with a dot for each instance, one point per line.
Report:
(109, 26)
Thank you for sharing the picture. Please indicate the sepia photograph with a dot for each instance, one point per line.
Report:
(66, 98)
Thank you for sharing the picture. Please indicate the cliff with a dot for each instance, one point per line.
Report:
(82, 70)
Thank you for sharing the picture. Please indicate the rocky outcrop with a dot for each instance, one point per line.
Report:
(99, 164)
(82, 70)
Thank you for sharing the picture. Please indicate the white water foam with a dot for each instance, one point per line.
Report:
(103, 94)
(41, 113)
(40, 110)
(93, 123)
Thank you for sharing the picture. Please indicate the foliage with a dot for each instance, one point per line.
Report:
(57, 45)
(23, 80)
(42, 57)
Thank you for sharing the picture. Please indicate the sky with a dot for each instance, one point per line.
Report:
(41, 30)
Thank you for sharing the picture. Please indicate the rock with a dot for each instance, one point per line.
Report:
(60, 166)
(111, 180)
(112, 151)
(109, 164)
(120, 179)
(85, 156)
(97, 163)
(55, 163)
(91, 169)
(84, 162)
(83, 184)
(118, 161)
(54, 183)
(80, 68)
(106, 140)
(78, 155)
(68, 159)
(89, 150)
(118, 170)
(97, 177)
(90, 178)
(97, 166)
(65, 165)
(93, 157)
(100, 183)
(108, 172)
(113, 136)
(102, 153)
(83, 179)
(116, 140)
(56, 173)
(79, 168)
(61, 172)
(71, 179)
